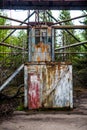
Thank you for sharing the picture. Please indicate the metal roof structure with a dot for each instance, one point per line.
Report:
(44, 4)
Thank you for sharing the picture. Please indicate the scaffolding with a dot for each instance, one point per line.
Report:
(13, 58)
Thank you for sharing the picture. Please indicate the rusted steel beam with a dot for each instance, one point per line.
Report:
(55, 27)
(40, 23)
(47, 63)
(12, 46)
(63, 21)
(20, 27)
(5, 17)
(70, 27)
(73, 45)
(13, 53)
(70, 53)
(12, 27)
(3, 86)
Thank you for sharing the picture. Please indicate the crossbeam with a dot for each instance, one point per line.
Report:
(13, 53)
(12, 46)
(72, 45)
(3, 86)
(55, 27)
(70, 27)
(71, 53)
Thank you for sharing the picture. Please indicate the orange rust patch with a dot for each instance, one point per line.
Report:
(42, 46)
(49, 31)
(42, 52)
(38, 59)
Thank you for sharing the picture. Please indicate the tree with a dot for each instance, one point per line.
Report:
(65, 38)
(11, 57)
(3, 34)
(44, 17)
(80, 63)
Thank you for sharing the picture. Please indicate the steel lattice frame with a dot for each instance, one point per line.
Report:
(55, 25)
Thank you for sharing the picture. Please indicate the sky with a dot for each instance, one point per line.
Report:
(22, 14)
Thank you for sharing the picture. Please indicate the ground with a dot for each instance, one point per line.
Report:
(75, 119)
(45, 122)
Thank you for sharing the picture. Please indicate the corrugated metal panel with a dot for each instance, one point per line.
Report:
(55, 84)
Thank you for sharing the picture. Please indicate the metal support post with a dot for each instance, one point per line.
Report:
(53, 53)
(25, 86)
(11, 77)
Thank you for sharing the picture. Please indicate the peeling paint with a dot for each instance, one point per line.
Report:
(41, 52)
(40, 44)
(54, 83)
(49, 83)
(33, 92)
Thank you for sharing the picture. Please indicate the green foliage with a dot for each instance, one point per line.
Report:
(3, 34)
(11, 58)
(80, 71)
(65, 38)
(84, 22)
(79, 61)
(44, 17)
(20, 108)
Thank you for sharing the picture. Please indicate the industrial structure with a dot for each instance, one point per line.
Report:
(47, 83)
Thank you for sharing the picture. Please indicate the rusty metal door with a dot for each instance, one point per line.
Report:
(33, 91)
(49, 85)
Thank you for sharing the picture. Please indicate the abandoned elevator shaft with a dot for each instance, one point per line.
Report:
(48, 84)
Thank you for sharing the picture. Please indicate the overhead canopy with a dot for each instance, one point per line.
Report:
(44, 4)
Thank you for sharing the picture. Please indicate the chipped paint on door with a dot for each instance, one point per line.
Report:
(54, 81)
(33, 92)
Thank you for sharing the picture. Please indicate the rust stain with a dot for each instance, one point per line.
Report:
(59, 69)
(53, 83)
(42, 46)
(38, 59)
(34, 88)
(49, 31)
(41, 52)
(50, 74)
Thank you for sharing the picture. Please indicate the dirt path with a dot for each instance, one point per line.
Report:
(50, 120)
(45, 122)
